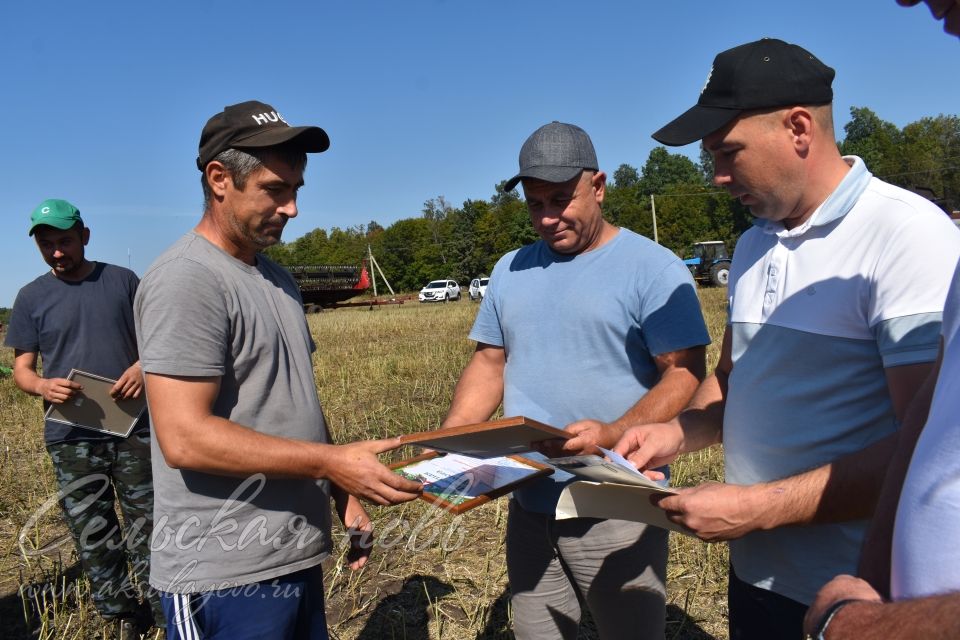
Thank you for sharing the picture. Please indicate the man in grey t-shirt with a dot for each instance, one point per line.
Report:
(243, 466)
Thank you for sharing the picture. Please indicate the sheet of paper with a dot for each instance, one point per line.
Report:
(591, 467)
(611, 501)
(620, 460)
(457, 478)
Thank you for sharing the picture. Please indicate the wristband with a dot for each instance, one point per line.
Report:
(821, 629)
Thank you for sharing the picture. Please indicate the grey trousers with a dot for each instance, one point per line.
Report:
(617, 569)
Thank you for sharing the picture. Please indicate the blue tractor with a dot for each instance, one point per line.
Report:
(710, 263)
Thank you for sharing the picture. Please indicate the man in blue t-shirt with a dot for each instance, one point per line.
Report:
(79, 315)
(592, 328)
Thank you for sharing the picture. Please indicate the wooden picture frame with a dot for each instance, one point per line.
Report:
(508, 436)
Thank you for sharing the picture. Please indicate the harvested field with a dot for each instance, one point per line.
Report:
(380, 372)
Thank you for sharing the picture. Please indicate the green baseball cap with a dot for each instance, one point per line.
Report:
(59, 214)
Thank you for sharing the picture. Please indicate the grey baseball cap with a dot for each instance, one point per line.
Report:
(556, 152)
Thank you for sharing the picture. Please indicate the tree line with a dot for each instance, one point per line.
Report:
(444, 241)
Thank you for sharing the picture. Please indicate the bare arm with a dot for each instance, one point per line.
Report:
(697, 427)
(680, 374)
(869, 618)
(848, 488)
(59, 390)
(55, 390)
(875, 558)
(845, 489)
(358, 525)
(480, 389)
(192, 437)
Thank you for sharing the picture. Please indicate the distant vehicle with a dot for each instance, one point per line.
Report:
(440, 291)
(327, 285)
(710, 263)
(478, 288)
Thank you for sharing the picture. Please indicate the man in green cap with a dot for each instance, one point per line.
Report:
(79, 315)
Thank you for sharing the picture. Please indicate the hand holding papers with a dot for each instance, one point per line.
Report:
(591, 467)
(611, 489)
(94, 408)
(475, 472)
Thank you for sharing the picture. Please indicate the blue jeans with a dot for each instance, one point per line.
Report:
(286, 608)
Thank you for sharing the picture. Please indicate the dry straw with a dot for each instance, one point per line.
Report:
(380, 372)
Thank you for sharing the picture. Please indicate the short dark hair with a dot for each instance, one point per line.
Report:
(78, 226)
(241, 164)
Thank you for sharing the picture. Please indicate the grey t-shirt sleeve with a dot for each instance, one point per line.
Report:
(183, 325)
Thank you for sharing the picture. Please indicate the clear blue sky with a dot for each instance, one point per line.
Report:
(104, 101)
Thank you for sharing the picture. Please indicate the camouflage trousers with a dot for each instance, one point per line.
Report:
(90, 477)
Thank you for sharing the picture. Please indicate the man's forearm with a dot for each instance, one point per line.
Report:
(701, 423)
(849, 487)
(931, 617)
(479, 390)
(470, 408)
(846, 489)
(702, 420)
(27, 380)
(663, 402)
(219, 446)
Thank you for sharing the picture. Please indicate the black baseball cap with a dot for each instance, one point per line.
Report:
(254, 125)
(764, 74)
(555, 152)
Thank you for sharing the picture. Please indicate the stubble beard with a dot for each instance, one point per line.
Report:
(258, 240)
(71, 268)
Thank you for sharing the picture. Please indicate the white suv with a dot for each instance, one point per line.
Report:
(478, 288)
(440, 291)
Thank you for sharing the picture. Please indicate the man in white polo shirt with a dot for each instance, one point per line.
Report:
(836, 298)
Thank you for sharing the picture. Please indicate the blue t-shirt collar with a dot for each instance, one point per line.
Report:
(553, 256)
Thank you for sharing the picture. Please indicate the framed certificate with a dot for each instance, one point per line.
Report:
(93, 407)
(459, 483)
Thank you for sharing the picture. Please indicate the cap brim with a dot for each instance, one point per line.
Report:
(695, 124)
(308, 139)
(547, 174)
(62, 225)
